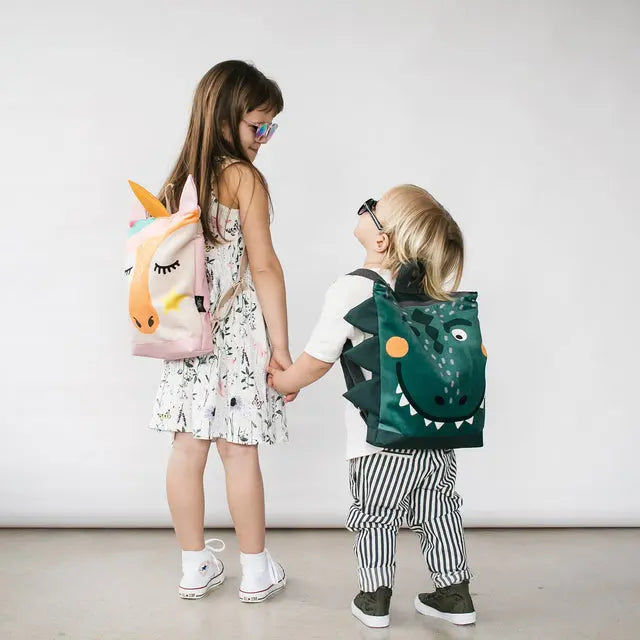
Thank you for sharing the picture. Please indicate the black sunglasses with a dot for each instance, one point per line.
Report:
(370, 207)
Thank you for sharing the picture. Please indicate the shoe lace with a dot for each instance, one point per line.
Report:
(213, 549)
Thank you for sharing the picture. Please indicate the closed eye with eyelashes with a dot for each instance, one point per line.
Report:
(164, 269)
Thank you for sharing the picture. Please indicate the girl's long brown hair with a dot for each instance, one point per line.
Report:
(222, 98)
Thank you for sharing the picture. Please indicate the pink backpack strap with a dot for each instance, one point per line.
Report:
(224, 306)
(168, 197)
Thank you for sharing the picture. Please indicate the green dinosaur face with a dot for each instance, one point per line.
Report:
(428, 370)
(434, 354)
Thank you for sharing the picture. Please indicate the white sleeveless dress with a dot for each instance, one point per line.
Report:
(225, 394)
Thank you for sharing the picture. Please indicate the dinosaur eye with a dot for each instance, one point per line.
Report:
(397, 347)
(459, 334)
(128, 270)
(158, 268)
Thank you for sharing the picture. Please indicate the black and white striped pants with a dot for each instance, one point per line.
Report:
(418, 484)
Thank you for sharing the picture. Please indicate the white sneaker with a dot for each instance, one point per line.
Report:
(201, 572)
(261, 578)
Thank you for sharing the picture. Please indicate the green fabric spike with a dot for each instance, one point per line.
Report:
(364, 316)
(388, 436)
(366, 395)
(366, 355)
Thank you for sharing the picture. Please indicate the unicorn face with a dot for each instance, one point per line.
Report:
(162, 268)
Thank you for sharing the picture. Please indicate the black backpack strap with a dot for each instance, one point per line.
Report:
(352, 372)
(370, 274)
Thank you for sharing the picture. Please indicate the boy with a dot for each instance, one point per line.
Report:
(387, 485)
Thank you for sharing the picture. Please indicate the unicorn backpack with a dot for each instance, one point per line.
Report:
(166, 270)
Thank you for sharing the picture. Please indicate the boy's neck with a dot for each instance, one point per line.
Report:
(373, 261)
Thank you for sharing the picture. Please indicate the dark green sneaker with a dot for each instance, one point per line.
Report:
(372, 609)
(453, 604)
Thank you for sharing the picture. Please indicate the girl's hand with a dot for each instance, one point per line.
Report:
(280, 361)
(280, 358)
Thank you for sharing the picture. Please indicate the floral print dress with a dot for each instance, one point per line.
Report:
(225, 394)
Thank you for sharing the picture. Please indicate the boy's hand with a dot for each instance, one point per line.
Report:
(303, 372)
(280, 360)
(277, 381)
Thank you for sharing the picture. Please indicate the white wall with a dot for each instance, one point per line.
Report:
(522, 117)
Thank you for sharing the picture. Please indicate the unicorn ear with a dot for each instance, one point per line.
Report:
(189, 196)
(137, 211)
(151, 204)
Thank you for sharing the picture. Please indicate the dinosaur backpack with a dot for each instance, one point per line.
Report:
(169, 294)
(427, 360)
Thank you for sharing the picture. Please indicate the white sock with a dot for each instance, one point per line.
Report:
(192, 559)
(254, 563)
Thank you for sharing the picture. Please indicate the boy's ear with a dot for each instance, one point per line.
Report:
(382, 243)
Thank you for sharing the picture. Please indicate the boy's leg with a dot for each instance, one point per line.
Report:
(380, 484)
(434, 514)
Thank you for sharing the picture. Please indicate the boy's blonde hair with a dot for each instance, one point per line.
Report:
(421, 230)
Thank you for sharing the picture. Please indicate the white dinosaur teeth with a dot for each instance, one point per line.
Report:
(427, 423)
(469, 420)
(438, 424)
(412, 411)
(399, 389)
(403, 401)
(458, 424)
(482, 404)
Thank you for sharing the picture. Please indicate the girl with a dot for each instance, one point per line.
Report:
(223, 397)
(407, 225)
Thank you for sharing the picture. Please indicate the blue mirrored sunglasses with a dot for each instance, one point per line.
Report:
(264, 131)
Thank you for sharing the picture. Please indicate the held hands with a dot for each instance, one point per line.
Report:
(279, 363)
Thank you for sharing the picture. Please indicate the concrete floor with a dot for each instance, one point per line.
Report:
(121, 585)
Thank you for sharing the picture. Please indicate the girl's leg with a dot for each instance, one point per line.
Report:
(261, 576)
(185, 490)
(245, 493)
